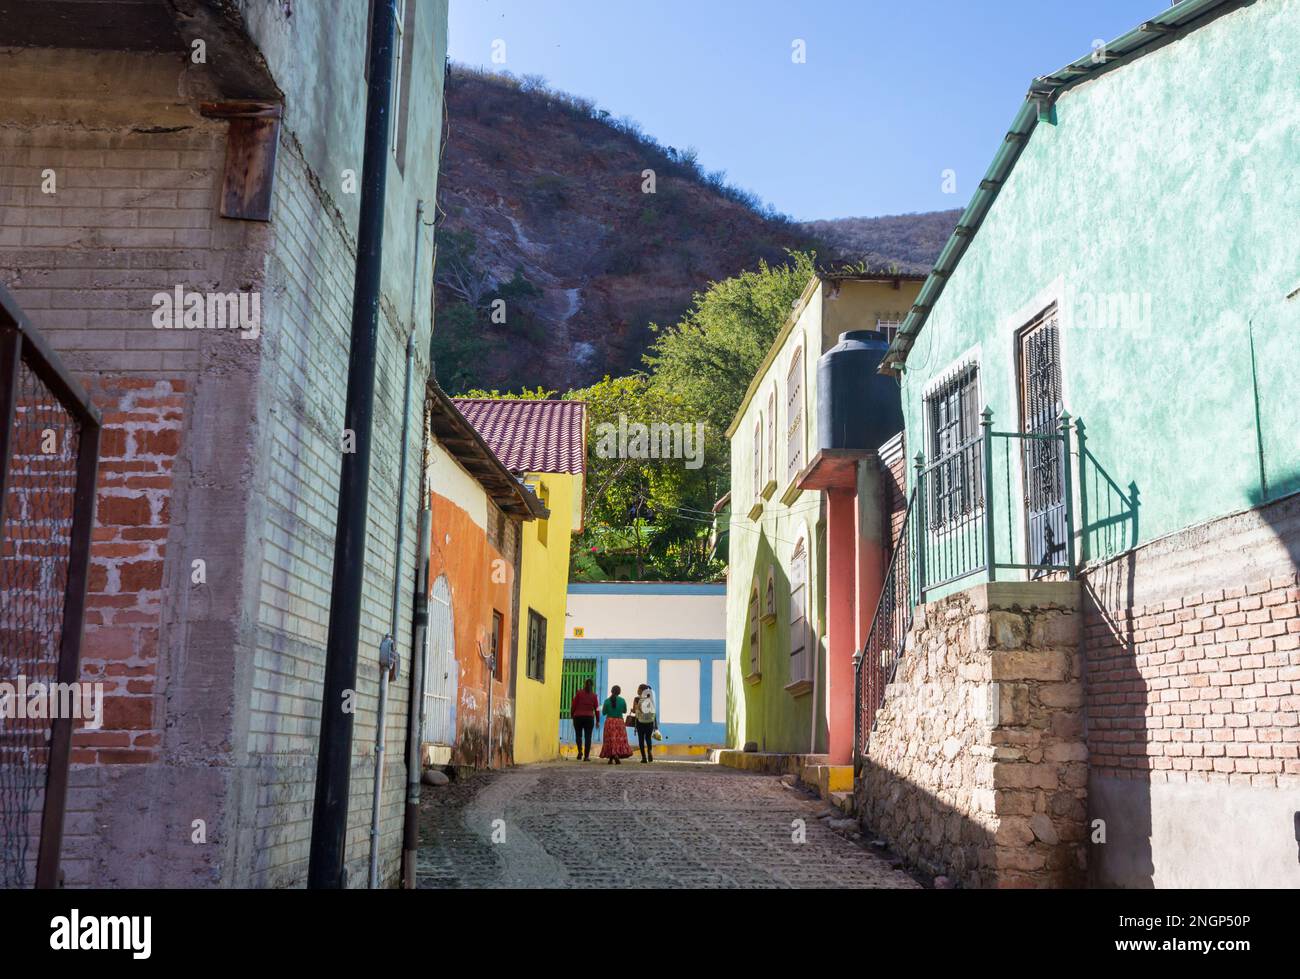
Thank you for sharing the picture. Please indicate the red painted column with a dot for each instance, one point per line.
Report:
(841, 625)
(872, 546)
(870, 538)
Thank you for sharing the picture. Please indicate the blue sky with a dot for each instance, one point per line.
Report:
(891, 95)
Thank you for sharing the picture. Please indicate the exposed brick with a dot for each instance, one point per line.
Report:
(124, 511)
(141, 576)
(128, 713)
(153, 443)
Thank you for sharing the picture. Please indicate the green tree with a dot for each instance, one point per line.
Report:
(708, 358)
(540, 394)
(649, 512)
(459, 347)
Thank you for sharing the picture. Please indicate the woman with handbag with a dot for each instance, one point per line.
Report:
(647, 722)
(614, 744)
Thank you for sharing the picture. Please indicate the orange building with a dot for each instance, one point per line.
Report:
(476, 512)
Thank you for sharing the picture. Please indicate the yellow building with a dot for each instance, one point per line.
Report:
(543, 443)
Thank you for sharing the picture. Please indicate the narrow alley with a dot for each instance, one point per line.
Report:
(670, 825)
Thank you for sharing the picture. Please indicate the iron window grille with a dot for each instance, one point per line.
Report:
(794, 412)
(956, 475)
(536, 646)
(498, 627)
(799, 613)
(771, 436)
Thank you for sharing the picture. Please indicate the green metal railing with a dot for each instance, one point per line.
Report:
(1004, 501)
(999, 502)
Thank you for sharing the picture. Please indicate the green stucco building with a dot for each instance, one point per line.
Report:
(1131, 260)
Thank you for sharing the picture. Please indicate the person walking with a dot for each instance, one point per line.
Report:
(646, 722)
(585, 711)
(614, 744)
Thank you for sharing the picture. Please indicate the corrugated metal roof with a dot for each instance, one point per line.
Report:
(1165, 27)
(531, 436)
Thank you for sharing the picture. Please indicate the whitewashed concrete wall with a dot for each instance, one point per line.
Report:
(628, 615)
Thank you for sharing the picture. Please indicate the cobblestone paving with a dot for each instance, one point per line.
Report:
(667, 825)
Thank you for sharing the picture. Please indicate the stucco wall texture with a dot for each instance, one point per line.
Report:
(544, 582)
(1168, 180)
(480, 572)
(1165, 187)
(765, 711)
(218, 448)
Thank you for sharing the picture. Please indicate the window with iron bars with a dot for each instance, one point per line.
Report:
(799, 653)
(771, 436)
(536, 665)
(794, 416)
(498, 629)
(955, 476)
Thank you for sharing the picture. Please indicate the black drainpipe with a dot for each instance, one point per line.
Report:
(325, 867)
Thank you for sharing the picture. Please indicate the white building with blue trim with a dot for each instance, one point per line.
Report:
(671, 635)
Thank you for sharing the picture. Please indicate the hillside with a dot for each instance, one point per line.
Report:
(913, 241)
(544, 223)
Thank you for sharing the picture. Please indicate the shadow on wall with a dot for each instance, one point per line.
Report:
(1116, 699)
(1116, 694)
(747, 725)
(1184, 671)
(931, 836)
(1284, 521)
(1110, 512)
(771, 718)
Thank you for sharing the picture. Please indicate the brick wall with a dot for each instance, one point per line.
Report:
(1192, 657)
(132, 213)
(218, 449)
(303, 378)
(1201, 687)
(893, 464)
(1193, 654)
(124, 605)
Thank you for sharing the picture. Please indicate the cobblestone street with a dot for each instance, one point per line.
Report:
(679, 825)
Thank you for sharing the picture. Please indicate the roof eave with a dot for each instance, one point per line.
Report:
(801, 304)
(460, 438)
(1164, 28)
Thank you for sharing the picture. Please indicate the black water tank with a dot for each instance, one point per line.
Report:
(856, 407)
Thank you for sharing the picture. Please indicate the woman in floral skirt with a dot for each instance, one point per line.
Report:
(614, 744)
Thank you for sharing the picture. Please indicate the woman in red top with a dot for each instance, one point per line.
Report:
(584, 709)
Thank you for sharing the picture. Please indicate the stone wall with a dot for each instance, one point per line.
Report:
(977, 768)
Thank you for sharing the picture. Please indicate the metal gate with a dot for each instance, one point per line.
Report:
(440, 674)
(1041, 404)
(575, 673)
(49, 452)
